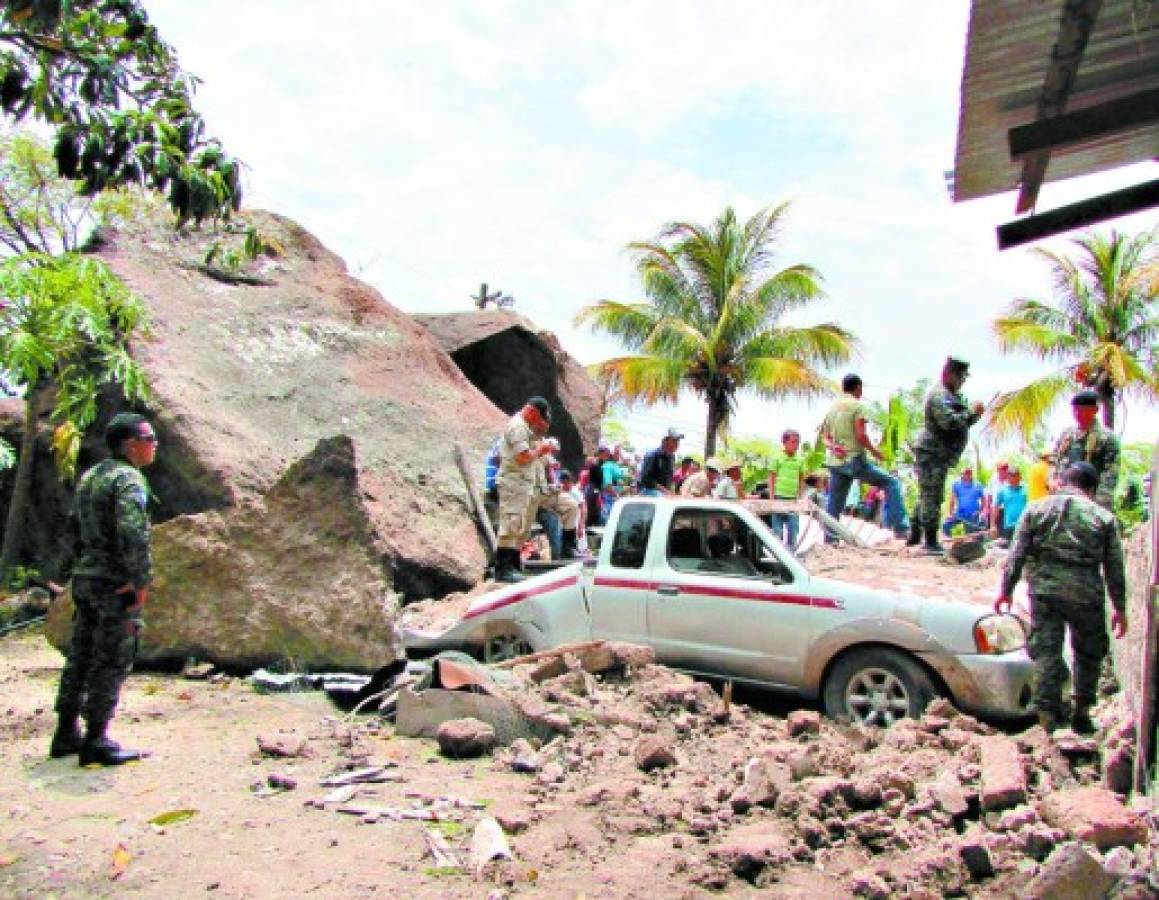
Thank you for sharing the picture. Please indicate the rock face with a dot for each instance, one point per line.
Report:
(291, 576)
(509, 359)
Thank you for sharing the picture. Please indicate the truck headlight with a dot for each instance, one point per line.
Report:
(999, 634)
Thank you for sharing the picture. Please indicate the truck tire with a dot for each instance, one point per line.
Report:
(877, 686)
(503, 645)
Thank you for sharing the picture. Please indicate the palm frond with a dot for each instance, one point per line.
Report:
(1041, 340)
(826, 344)
(1017, 412)
(632, 323)
(776, 378)
(641, 379)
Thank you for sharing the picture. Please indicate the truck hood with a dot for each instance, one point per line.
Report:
(949, 622)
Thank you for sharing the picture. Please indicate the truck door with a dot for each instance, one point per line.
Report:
(725, 604)
(620, 588)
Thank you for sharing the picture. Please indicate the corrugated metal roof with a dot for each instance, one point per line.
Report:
(1008, 53)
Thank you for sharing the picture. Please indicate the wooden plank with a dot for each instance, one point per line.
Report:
(475, 504)
(1086, 212)
(1084, 125)
(1078, 21)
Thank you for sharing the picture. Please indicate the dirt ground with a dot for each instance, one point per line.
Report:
(857, 811)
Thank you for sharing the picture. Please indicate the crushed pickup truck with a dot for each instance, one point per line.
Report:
(709, 587)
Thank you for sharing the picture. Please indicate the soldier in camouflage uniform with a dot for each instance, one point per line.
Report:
(938, 447)
(1089, 442)
(111, 568)
(1073, 558)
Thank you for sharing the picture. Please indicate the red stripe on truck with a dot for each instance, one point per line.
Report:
(527, 594)
(702, 590)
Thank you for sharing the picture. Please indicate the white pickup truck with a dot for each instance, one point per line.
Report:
(715, 593)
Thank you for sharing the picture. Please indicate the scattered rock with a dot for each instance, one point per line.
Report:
(465, 738)
(764, 779)
(804, 721)
(802, 765)
(948, 794)
(870, 886)
(1071, 873)
(748, 850)
(196, 671)
(975, 854)
(1119, 768)
(654, 751)
(1118, 862)
(282, 746)
(1094, 814)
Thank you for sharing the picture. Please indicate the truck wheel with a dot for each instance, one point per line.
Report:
(877, 686)
(504, 645)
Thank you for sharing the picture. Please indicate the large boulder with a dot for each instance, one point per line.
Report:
(291, 577)
(247, 376)
(509, 359)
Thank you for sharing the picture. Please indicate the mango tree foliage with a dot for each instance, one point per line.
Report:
(65, 325)
(99, 74)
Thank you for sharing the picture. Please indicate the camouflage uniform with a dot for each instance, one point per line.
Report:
(1098, 447)
(937, 449)
(1068, 545)
(109, 547)
(516, 483)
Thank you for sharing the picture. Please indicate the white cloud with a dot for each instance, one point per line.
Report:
(436, 146)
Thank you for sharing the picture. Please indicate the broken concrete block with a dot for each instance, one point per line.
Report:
(1094, 814)
(1003, 779)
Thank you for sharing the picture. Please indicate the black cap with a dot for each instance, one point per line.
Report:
(1085, 398)
(542, 407)
(957, 365)
(1082, 475)
(121, 426)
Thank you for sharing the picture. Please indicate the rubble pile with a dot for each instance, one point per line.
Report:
(941, 806)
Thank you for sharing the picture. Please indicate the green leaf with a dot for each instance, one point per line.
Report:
(172, 817)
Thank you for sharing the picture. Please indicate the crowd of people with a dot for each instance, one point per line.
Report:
(1059, 526)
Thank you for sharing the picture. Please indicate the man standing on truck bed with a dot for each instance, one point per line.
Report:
(519, 450)
(938, 447)
(657, 468)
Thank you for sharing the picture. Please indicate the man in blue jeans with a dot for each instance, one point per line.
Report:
(848, 446)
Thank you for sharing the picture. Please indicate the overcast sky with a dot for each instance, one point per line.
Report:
(435, 146)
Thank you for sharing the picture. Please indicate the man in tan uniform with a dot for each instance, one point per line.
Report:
(547, 495)
(702, 483)
(519, 450)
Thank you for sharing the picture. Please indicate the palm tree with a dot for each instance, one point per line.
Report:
(711, 322)
(1102, 330)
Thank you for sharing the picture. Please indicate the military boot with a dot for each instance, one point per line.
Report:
(915, 533)
(507, 565)
(68, 737)
(567, 546)
(98, 749)
(932, 546)
(1081, 721)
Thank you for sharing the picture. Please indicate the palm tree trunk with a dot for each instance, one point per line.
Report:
(18, 505)
(710, 430)
(1106, 392)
